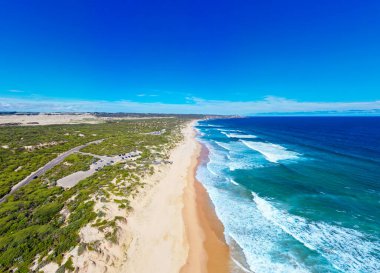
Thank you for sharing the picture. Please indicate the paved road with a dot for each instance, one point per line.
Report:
(47, 167)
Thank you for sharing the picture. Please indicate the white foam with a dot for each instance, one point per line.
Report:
(241, 266)
(233, 155)
(214, 126)
(346, 249)
(240, 164)
(199, 132)
(232, 135)
(234, 182)
(210, 170)
(235, 135)
(271, 152)
(223, 145)
(214, 165)
(229, 130)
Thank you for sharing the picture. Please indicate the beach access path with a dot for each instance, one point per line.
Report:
(47, 167)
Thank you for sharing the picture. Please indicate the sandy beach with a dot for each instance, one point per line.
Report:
(174, 227)
(208, 251)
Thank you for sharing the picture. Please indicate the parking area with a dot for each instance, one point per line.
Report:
(73, 179)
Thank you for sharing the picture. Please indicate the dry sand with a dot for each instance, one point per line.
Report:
(44, 119)
(156, 226)
(175, 228)
(49, 119)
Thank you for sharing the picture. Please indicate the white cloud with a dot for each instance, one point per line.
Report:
(147, 95)
(269, 105)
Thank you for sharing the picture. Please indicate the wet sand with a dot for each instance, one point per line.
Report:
(208, 251)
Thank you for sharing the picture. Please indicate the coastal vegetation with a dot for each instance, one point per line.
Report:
(41, 221)
(73, 163)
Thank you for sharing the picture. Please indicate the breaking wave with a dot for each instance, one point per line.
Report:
(271, 152)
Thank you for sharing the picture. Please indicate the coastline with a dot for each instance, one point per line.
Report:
(208, 251)
(174, 227)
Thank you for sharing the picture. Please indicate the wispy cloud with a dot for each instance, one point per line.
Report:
(15, 91)
(147, 95)
(268, 105)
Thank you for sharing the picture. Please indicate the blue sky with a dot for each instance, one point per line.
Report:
(242, 57)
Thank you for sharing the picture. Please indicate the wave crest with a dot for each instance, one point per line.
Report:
(271, 152)
(240, 136)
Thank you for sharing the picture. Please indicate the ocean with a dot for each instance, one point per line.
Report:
(296, 194)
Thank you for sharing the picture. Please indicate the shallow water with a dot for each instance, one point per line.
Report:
(297, 194)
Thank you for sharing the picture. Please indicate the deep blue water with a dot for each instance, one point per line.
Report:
(297, 194)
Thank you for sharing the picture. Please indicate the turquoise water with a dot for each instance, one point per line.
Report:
(297, 194)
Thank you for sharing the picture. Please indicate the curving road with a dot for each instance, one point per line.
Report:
(47, 167)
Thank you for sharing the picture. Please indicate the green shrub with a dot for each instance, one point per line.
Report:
(30, 219)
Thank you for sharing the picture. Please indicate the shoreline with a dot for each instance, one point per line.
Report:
(208, 250)
(234, 259)
(174, 227)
